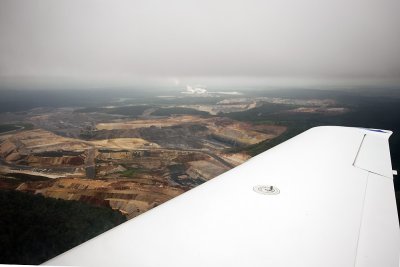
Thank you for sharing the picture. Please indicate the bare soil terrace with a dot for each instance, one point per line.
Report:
(128, 165)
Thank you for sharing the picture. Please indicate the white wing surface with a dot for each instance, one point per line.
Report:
(331, 203)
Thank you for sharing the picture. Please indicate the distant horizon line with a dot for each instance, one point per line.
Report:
(207, 82)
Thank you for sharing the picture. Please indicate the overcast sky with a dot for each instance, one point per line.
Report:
(118, 42)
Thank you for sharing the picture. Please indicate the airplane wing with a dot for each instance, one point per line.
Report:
(322, 198)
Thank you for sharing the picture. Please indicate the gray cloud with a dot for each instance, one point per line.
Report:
(121, 42)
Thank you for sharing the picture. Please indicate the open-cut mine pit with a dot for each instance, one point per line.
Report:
(128, 165)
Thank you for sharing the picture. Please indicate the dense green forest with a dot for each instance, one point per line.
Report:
(34, 229)
(12, 127)
(8, 127)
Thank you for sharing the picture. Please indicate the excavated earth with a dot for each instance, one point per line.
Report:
(128, 165)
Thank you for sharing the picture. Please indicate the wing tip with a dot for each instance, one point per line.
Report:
(381, 132)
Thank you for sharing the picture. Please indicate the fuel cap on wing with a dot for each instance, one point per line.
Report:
(266, 189)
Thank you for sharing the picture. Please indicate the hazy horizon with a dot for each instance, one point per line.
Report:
(276, 44)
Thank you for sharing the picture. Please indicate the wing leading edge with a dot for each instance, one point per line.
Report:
(335, 207)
